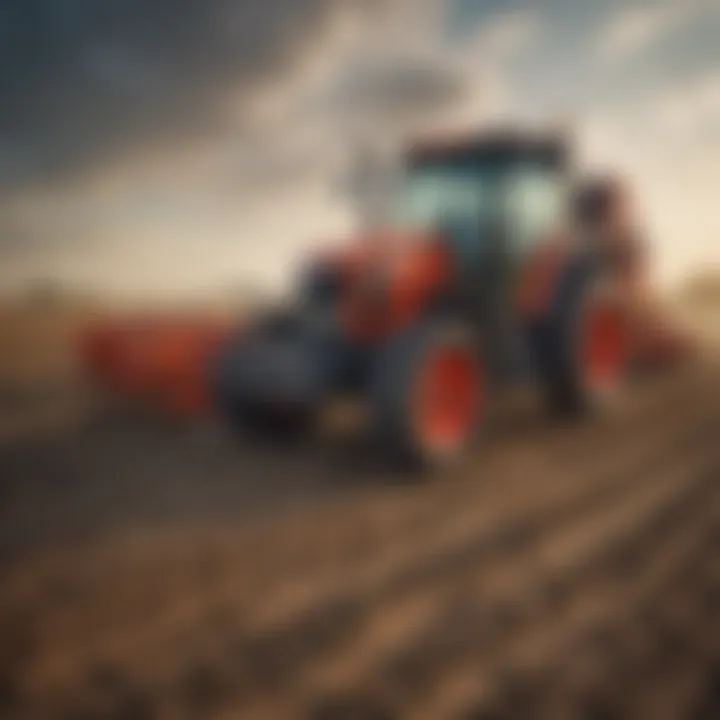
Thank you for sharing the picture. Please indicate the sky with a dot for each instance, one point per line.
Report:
(177, 147)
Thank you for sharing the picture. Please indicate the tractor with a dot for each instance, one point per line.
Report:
(483, 277)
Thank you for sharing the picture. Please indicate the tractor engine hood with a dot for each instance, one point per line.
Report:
(372, 288)
(387, 278)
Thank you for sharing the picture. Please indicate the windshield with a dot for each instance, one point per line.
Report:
(461, 201)
(435, 196)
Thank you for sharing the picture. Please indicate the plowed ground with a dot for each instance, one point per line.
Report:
(563, 572)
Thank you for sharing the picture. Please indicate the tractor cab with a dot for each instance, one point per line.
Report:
(496, 200)
(493, 198)
(491, 201)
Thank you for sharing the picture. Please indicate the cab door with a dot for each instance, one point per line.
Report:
(534, 208)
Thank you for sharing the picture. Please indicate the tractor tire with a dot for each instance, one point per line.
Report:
(248, 416)
(582, 346)
(428, 395)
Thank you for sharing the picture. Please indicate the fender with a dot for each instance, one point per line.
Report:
(392, 288)
(539, 278)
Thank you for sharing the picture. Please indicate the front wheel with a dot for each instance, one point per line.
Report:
(428, 394)
(245, 410)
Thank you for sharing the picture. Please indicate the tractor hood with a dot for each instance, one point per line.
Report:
(386, 278)
(388, 252)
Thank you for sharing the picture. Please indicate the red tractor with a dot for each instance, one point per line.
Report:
(486, 276)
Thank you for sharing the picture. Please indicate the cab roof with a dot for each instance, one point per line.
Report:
(548, 149)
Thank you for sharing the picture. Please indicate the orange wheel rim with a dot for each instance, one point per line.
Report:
(447, 399)
(603, 346)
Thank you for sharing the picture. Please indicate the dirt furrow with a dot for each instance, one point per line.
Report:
(432, 599)
(548, 669)
(656, 489)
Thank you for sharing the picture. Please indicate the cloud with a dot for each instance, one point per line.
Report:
(177, 149)
(486, 60)
(503, 36)
(395, 91)
(637, 27)
(92, 84)
(665, 139)
(84, 80)
(691, 108)
(414, 85)
(226, 163)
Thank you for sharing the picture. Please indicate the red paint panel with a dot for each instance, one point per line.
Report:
(388, 285)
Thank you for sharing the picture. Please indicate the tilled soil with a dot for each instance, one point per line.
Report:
(151, 571)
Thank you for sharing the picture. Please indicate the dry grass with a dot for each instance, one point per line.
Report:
(38, 344)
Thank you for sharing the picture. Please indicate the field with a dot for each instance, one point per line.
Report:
(152, 569)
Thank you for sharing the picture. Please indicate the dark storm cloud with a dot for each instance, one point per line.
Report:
(399, 88)
(82, 79)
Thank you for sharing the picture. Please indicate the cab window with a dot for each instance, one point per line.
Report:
(535, 207)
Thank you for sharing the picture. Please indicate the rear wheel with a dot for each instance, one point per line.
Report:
(602, 346)
(586, 348)
(428, 394)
